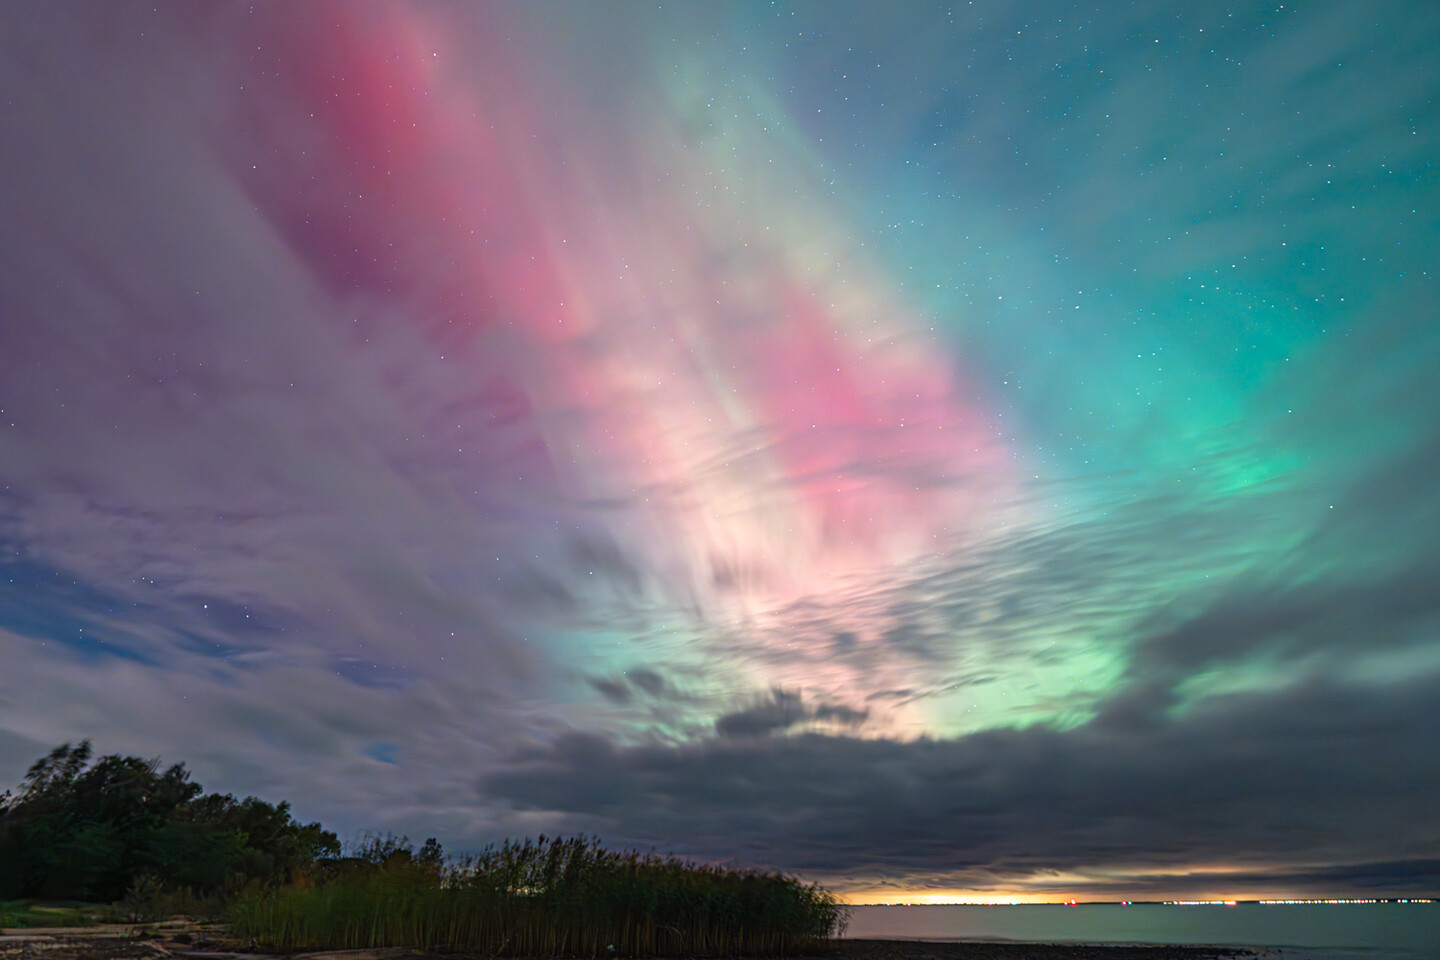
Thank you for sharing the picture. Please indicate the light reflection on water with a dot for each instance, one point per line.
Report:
(1370, 931)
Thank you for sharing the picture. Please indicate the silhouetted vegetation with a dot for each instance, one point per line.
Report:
(551, 898)
(120, 828)
(120, 831)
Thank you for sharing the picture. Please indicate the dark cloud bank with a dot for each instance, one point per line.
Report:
(1319, 788)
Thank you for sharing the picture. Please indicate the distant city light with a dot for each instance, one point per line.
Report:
(1272, 902)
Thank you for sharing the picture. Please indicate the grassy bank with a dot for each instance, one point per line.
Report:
(33, 913)
(552, 898)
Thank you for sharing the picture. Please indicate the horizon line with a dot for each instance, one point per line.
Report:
(1198, 902)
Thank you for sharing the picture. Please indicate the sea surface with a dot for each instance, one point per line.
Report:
(1310, 931)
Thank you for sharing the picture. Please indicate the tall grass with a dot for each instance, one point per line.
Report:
(547, 898)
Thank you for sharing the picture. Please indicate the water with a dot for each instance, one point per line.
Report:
(1352, 931)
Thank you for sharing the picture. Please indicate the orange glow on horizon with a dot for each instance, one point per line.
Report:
(891, 897)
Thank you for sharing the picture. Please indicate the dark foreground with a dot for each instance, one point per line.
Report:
(123, 944)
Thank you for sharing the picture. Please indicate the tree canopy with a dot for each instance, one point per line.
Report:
(87, 830)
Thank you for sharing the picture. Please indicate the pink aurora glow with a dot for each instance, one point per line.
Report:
(761, 428)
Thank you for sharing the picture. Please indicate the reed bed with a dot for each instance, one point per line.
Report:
(547, 898)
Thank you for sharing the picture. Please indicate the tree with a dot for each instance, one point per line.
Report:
(87, 831)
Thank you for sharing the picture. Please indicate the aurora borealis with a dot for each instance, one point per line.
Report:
(983, 447)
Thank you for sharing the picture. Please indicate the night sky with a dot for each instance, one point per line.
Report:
(989, 446)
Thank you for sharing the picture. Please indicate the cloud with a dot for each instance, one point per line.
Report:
(617, 691)
(784, 709)
(649, 681)
(279, 727)
(781, 711)
(974, 484)
(1336, 776)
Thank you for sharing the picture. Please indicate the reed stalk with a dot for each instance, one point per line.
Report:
(559, 897)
